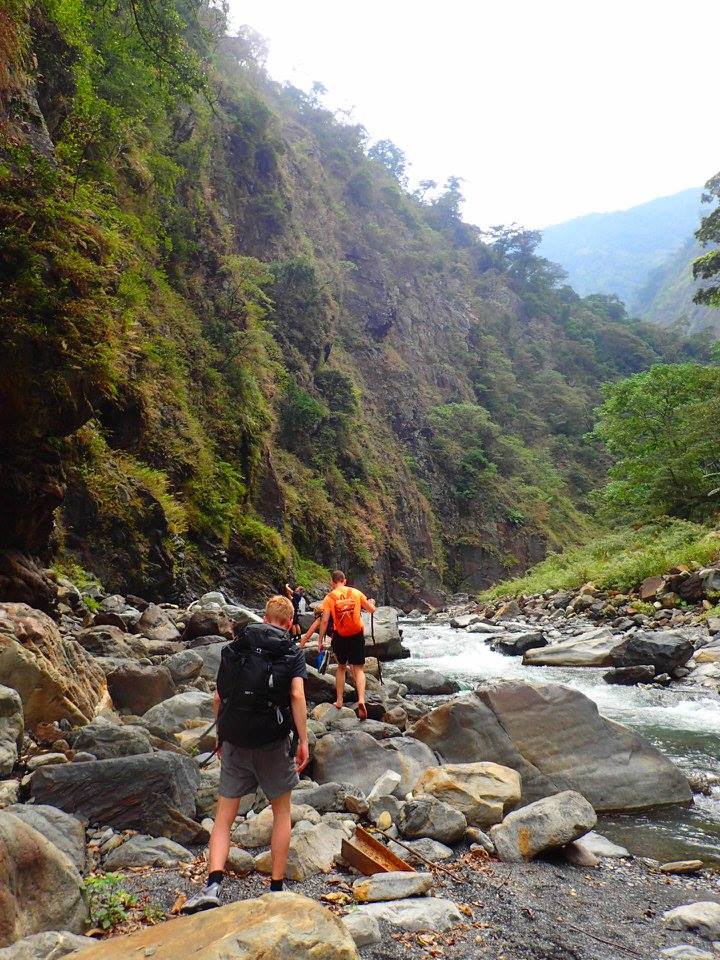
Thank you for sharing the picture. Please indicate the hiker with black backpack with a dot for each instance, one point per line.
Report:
(260, 700)
(343, 606)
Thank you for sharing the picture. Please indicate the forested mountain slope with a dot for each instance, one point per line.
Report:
(616, 253)
(667, 297)
(234, 345)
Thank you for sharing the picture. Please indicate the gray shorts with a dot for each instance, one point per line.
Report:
(272, 767)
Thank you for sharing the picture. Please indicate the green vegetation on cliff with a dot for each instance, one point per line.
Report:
(234, 344)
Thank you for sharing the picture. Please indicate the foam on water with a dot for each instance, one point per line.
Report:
(685, 725)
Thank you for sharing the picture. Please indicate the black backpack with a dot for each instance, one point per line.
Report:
(253, 683)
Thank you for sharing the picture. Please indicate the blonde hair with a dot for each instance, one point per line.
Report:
(279, 609)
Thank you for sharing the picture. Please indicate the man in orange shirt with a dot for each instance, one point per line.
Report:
(344, 604)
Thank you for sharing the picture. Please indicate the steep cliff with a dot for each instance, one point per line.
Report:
(236, 347)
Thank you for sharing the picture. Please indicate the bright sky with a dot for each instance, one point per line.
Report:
(547, 108)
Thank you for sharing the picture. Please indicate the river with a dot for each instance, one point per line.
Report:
(684, 725)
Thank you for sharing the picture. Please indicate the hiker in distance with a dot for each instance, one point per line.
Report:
(297, 598)
(260, 699)
(343, 605)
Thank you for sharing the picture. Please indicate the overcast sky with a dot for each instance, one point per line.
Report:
(547, 108)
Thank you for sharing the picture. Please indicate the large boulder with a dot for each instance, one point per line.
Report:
(427, 682)
(314, 849)
(387, 643)
(664, 650)
(357, 758)
(178, 713)
(55, 677)
(106, 640)
(137, 688)
(143, 851)
(320, 687)
(544, 825)
(41, 889)
(210, 654)
(155, 624)
(702, 918)
(207, 623)
(592, 649)
(50, 945)
(428, 817)
(556, 740)
(12, 728)
(185, 665)
(484, 792)
(517, 644)
(415, 913)
(281, 926)
(151, 793)
(105, 740)
(60, 828)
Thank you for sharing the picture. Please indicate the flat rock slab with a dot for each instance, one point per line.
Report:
(282, 926)
(427, 682)
(395, 885)
(592, 649)
(600, 846)
(51, 945)
(544, 825)
(415, 914)
(703, 918)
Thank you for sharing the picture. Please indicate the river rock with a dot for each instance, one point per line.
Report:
(256, 831)
(665, 650)
(105, 740)
(55, 677)
(155, 624)
(179, 712)
(210, 654)
(682, 866)
(51, 945)
(12, 729)
(427, 849)
(314, 848)
(60, 828)
(543, 825)
(385, 785)
(427, 682)
(9, 793)
(703, 918)
(42, 889)
(556, 740)
(320, 687)
(394, 885)
(185, 665)
(240, 861)
(137, 688)
(144, 851)
(595, 648)
(387, 644)
(116, 792)
(517, 644)
(629, 676)
(483, 792)
(600, 846)
(106, 641)
(281, 926)
(359, 759)
(364, 930)
(416, 913)
(428, 817)
(207, 623)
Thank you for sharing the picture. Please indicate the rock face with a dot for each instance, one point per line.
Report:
(55, 677)
(281, 926)
(592, 649)
(41, 888)
(12, 728)
(152, 793)
(428, 682)
(543, 825)
(483, 792)
(556, 740)
(137, 688)
(428, 817)
(665, 651)
(60, 828)
(359, 759)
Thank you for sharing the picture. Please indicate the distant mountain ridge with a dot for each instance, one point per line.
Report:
(618, 252)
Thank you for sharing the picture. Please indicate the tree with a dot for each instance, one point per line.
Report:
(515, 248)
(663, 426)
(707, 267)
(391, 157)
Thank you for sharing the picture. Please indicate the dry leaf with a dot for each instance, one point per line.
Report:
(180, 902)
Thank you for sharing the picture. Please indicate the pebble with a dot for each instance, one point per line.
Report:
(45, 759)
(682, 866)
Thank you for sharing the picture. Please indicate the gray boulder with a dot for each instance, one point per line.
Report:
(155, 624)
(137, 688)
(210, 654)
(179, 713)
(185, 665)
(41, 889)
(595, 648)
(143, 851)
(544, 825)
(629, 676)
(359, 759)
(416, 913)
(427, 682)
(556, 740)
(51, 945)
(428, 849)
(105, 740)
(394, 885)
(151, 793)
(428, 817)
(517, 644)
(12, 729)
(664, 650)
(388, 641)
(702, 917)
(206, 623)
(60, 828)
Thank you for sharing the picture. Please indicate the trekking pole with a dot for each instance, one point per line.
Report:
(372, 634)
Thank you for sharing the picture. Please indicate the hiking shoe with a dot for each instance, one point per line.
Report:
(206, 899)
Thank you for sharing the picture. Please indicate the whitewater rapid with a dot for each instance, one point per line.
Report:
(684, 724)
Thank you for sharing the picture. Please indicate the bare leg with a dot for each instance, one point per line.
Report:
(280, 840)
(340, 685)
(359, 673)
(227, 808)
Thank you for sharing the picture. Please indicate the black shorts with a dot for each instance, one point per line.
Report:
(349, 649)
